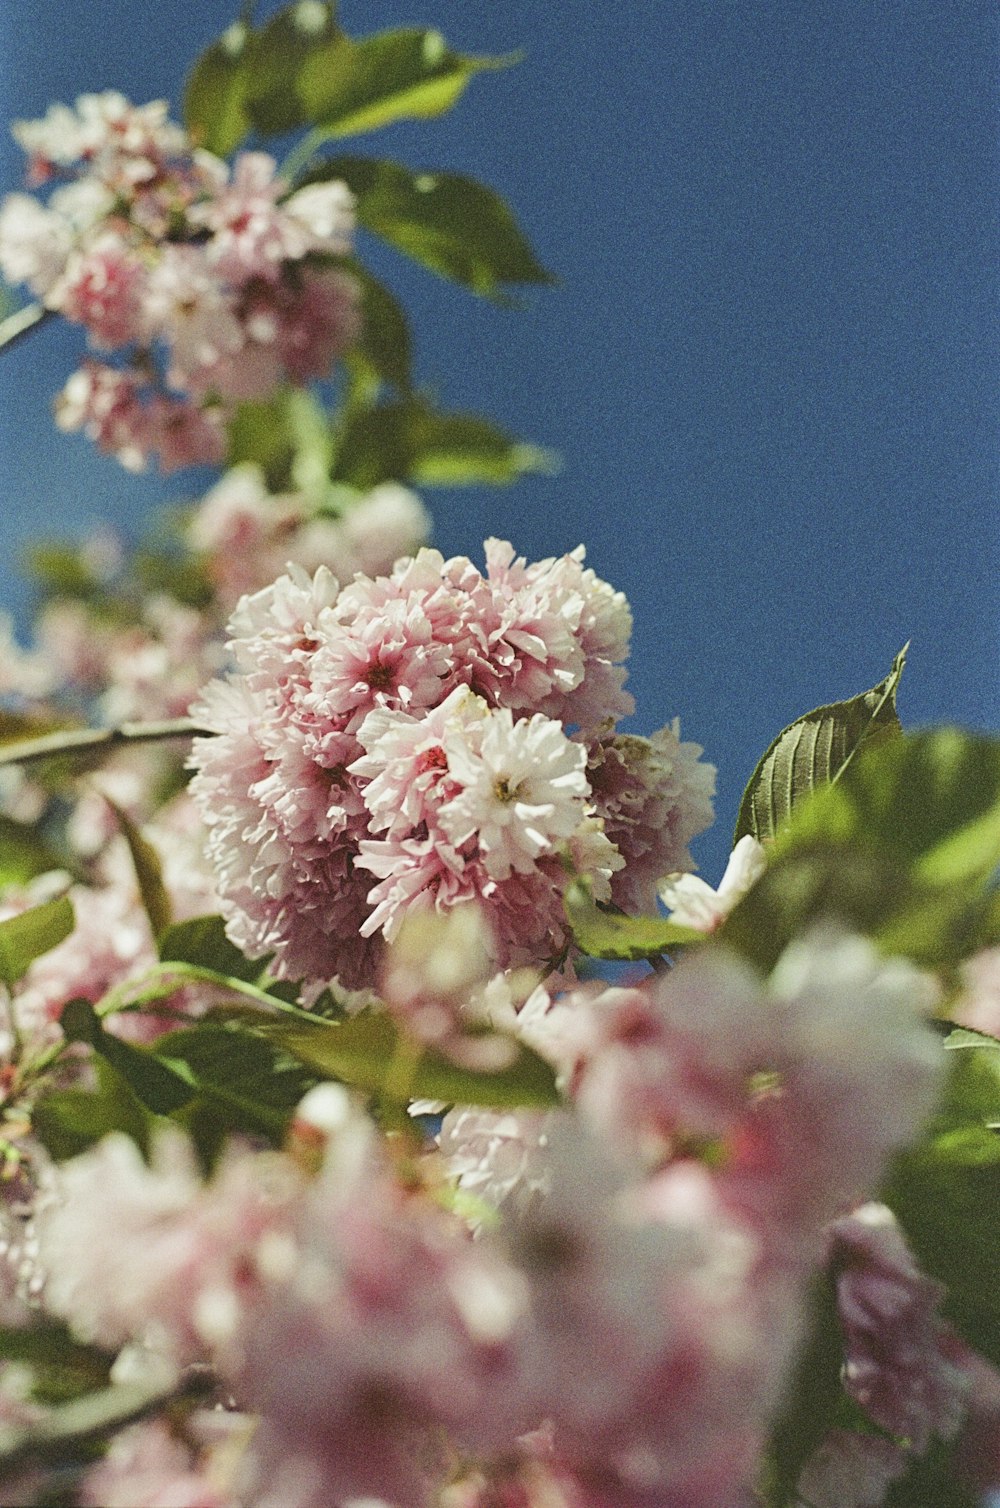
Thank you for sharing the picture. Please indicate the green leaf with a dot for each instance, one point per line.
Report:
(215, 108)
(261, 432)
(900, 847)
(160, 1084)
(815, 750)
(812, 1399)
(24, 853)
(945, 1191)
(202, 941)
(604, 934)
(349, 86)
(450, 223)
(366, 1052)
(69, 1121)
(933, 1481)
(274, 60)
(411, 441)
(384, 350)
(61, 1366)
(146, 862)
(59, 569)
(25, 937)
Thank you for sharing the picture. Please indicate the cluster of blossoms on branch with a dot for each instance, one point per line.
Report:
(431, 737)
(217, 284)
(333, 1172)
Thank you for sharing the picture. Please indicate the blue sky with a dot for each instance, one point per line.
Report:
(771, 363)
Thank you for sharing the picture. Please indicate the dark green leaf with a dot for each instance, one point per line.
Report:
(945, 1192)
(161, 1084)
(215, 109)
(933, 1482)
(604, 934)
(61, 1366)
(178, 575)
(384, 349)
(812, 1399)
(452, 224)
(350, 86)
(274, 59)
(202, 941)
(146, 862)
(26, 937)
(815, 750)
(69, 1121)
(366, 1051)
(411, 441)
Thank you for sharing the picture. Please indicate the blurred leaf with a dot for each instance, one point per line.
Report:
(812, 1398)
(411, 441)
(312, 441)
(274, 59)
(261, 432)
(62, 1367)
(25, 937)
(60, 569)
(202, 941)
(814, 750)
(604, 934)
(24, 853)
(146, 862)
(365, 1051)
(68, 1121)
(178, 575)
(945, 1191)
(384, 348)
(933, 1481)
(160, 1084)
(215, 108)
(349, 86)
(450, 223)
(900, 847)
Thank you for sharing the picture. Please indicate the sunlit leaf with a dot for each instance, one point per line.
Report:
(215, 109)
(350, 86)
(32, 933)
(605, 934)
(366, 1050)
(274, 60)
(815, 750)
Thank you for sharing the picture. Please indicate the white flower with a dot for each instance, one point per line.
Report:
(693, 903)
(34, 243)
(523, 791)
(327, 210)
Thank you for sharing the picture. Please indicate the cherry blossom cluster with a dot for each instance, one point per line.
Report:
(429, 738)
(617, 1336)
(158, 249)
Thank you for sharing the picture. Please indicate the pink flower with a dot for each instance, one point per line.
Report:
(103, 287)
(902, 1362)
(654, 795)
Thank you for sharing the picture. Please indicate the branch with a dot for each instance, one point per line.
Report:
(16, 326)
(98, 740)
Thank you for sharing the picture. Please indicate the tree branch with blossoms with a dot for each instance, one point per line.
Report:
(335, 1168)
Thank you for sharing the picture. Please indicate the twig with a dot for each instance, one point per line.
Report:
(97, 740)
(16, 326)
